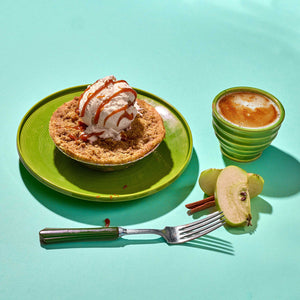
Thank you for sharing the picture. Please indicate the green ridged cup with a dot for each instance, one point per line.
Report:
(240, 143)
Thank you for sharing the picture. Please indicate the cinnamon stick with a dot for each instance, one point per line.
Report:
(201, 202)
(201, 207)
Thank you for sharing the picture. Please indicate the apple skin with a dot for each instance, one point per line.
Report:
(256, 184)
(208, 179)
(232, 196)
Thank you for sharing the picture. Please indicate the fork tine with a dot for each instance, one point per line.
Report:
(194, 225)
(201, 232)
(199, 227)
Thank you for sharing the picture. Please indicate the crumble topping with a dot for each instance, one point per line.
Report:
(146, 132)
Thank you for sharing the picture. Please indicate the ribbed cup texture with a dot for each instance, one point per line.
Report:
(244, 144)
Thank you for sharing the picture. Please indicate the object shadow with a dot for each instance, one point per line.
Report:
(206, 242)
(258, 206)
(120, 213)
(158, 165)
(281, 172)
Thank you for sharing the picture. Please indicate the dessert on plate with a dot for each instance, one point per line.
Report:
(107, 125)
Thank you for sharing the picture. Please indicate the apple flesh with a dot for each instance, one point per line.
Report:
(232, 196)
(208, 179)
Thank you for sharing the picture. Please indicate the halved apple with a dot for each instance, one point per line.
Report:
(255, 184)
(232, 196)
(208, 180)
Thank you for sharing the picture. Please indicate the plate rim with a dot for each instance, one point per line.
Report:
(83, 196)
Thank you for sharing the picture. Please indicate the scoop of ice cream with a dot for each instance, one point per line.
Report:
(107, 107)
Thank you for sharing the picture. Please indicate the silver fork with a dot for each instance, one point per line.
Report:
(172, 235)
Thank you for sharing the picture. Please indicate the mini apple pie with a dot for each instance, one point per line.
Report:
(107, 125)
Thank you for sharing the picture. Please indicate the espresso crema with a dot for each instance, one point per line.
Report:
(247, 109)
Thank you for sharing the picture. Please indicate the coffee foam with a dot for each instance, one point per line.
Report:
(248, 110)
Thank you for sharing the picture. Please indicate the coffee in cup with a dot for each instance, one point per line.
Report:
(246, 120)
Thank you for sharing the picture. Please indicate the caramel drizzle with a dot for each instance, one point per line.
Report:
(85, 136)
(124, 115)
(92, 95)
(106, 101)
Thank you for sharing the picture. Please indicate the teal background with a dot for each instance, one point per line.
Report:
(185, 52)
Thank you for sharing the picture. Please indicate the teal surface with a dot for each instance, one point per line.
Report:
(185, 52)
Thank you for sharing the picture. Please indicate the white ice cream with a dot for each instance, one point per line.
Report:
(107, 107)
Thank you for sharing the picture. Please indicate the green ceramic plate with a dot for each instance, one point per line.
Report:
(42, 159)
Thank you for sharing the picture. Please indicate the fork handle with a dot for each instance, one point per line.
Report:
(57, 235)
